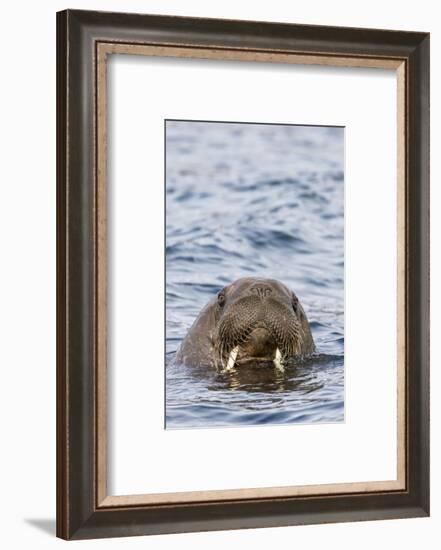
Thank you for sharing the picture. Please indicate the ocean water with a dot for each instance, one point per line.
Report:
(266, 201)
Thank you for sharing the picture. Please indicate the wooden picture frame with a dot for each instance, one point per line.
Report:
(84, 41)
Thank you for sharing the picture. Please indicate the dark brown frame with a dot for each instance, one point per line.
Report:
(82, 508)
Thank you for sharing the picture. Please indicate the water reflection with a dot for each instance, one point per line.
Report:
(267, 380)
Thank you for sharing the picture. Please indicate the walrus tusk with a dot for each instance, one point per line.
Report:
(232, 358)
(278, 361)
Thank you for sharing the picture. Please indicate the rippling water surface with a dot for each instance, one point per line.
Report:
(265, 201)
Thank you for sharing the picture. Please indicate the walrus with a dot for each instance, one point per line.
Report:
(252, 321)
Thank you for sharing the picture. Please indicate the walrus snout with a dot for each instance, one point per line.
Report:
(260, 345)
(253, 332)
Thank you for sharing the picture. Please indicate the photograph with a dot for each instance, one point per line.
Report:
(255, 260)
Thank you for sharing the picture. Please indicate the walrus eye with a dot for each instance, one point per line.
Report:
(221, 298)
(295, 303)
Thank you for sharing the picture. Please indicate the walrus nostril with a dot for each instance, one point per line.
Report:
(262, 291)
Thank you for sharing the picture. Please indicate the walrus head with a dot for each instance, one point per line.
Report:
(260, 320)
(250, 321)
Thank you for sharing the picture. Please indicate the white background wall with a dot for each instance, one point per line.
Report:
(27, 273)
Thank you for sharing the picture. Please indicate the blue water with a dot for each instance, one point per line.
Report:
(265, 201)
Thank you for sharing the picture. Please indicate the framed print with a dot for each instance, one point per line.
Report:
(242, 274)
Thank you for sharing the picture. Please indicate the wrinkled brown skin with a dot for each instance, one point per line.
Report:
(267, 303)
